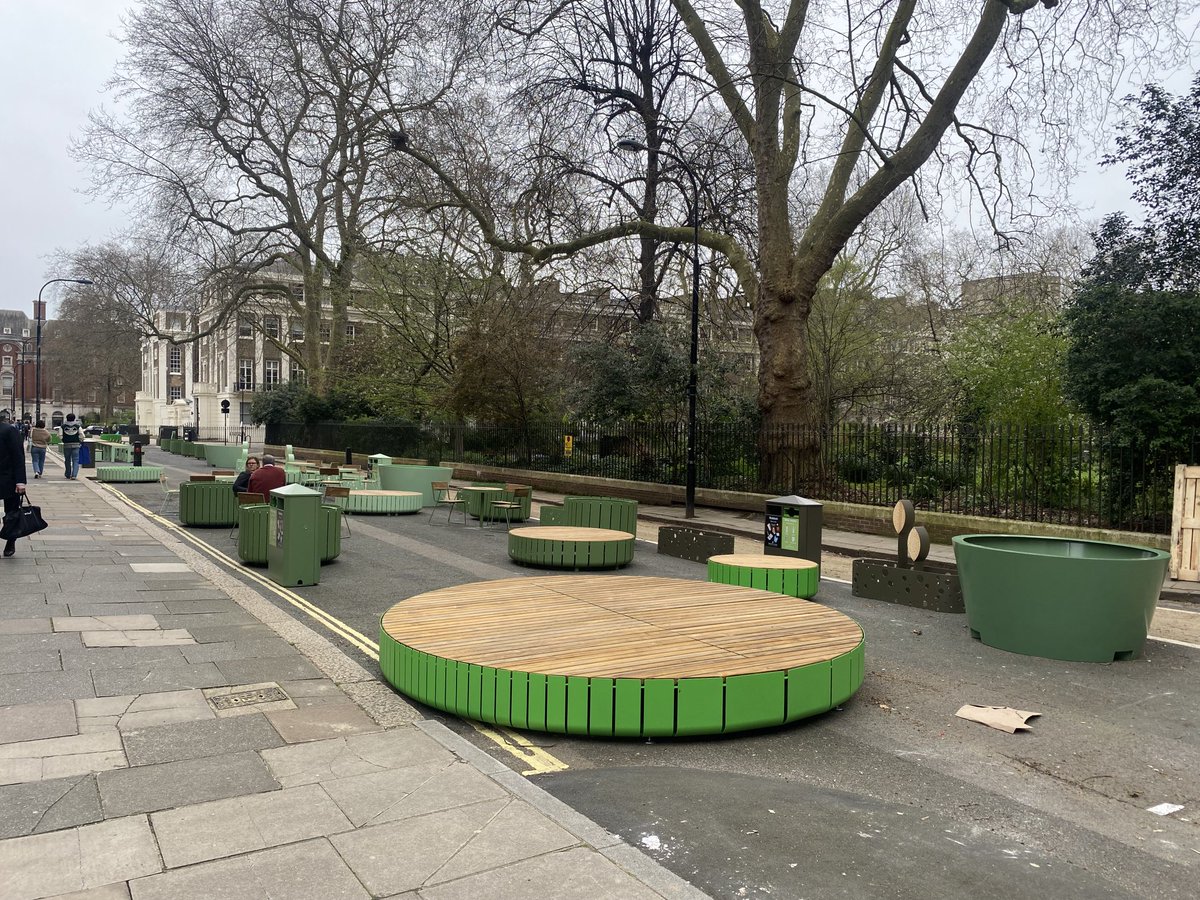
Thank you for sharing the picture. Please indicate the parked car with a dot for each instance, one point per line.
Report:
(94, 430)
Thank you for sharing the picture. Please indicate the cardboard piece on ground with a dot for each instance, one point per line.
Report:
(1003, 718)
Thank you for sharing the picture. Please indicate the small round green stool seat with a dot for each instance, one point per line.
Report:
(386, 503)
(782, 574)
(631, 656)
(569, 547)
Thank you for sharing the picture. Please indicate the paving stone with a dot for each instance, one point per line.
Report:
(311, 687)
(308, 869)
(146, 607)
(25, 626)
(35, 721)
(358, 754)
(579, 874)
(45, 865)
(104, 623)
(82, 763)
(315, 723)
(20, 608)
(24, 643)
(183, 583)
(102, 706)
(272, 668)
(36, 661)
(205, 831)
(50, 805)
(256, 649)
(88, 658)
(414, 791)
(167, 785)
(183, 607)
(34, 687)
(213, 634)
(142, 679)
(20, 771)
(118, 891)
(174, 637)
(159, 568)
(62, 746)
(428, 843)
(190, 740)
(517, 832)
(192, 621)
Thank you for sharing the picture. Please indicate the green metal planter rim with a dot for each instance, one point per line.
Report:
(1150, 554)
(811, 697)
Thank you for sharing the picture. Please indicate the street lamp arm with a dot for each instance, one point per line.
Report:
(38, 309)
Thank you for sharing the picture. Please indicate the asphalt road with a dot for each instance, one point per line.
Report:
(889, 796)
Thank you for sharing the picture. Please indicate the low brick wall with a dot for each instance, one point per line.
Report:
(855, 517)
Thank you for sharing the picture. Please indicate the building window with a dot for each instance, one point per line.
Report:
(24, 332)
(271, 326)
(297, 373)
(174, 392)
(6, 384)
(175, 360)
(245, 375)
(271, 373)
(6, 362)
(120, 398)
(326, 331)
(297, 330)
(245, 328)
(8, 331)
(351, 331)
(243, 412)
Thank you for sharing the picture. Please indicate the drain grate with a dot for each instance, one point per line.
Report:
(247, 698)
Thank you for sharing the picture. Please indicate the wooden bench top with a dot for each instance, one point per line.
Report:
(479, 487)
(569, 533)
(366, 493)
(605, 626)
(762, 561)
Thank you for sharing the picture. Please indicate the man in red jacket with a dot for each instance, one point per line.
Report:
(268, 477)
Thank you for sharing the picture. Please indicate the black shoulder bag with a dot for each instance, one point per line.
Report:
(23, 521)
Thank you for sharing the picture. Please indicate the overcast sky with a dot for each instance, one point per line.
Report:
(55, 56)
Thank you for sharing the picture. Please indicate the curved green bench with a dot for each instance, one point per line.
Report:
(563, 547)
(254, 524)
(629, 657)
(383, 503)
(397, 477)
(115, 474)
(207, 503)
(781, 574)
(616, 513)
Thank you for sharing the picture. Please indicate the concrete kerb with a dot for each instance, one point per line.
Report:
(389, 709)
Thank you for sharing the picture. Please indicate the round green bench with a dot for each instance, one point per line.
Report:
(128, 473)
(384, 503)
(564, 547)
(253, 533)
(781, 574)
(593, 512)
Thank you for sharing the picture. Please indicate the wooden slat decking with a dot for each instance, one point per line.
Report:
(762, 561)
(569, 533)
(630, 627)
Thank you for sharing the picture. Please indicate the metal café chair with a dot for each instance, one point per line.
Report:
(336, 495)
(168, 492)
(246, 498)
(514, 502)
(444, 495)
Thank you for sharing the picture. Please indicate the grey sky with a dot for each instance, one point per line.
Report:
(55, 56)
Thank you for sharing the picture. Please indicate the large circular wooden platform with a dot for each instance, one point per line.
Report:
(629, 656)
(570, 547)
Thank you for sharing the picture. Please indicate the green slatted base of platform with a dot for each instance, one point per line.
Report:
(253, 528)
(128, 473)
(739, 659)
(564, 547)
(383, 503)
(782, 574)
(207, 504)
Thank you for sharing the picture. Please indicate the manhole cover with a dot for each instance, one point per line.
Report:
(247, 698)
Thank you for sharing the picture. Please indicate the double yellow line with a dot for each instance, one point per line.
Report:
(539, 761)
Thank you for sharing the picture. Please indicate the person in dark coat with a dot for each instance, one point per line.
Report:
(12, 469)
(268, 477)
(241, 484)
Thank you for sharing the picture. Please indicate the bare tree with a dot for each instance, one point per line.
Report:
(254, 128)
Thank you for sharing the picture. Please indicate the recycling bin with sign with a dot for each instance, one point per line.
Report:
(793, 528)
(293, 535)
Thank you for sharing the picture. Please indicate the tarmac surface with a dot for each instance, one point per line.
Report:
(123, 776)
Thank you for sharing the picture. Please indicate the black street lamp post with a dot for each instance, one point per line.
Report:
(630, 145)
(39, 312)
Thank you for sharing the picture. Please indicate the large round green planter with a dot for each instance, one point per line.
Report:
(223, 456)
(1057, 597)
(207, 504)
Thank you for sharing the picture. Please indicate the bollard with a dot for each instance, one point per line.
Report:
(137, 453)
(349, 457)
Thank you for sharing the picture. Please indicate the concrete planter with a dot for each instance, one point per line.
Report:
(1063, 599)
(223, 456)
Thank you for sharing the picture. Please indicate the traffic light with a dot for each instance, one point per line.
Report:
(225, 407)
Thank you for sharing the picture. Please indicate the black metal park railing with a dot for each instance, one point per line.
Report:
(1071, 474)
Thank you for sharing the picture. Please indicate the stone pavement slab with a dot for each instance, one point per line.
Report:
(292, 667)
(34, 721)
(33, 687)
(25, 626)
(190, 740)
(37, 661)
(326, 720)
(76, 859)
(167, 785)
(308, 869)
(207, 831)
(162, 677)
(41, 806)
(394, 795)
(361, 754)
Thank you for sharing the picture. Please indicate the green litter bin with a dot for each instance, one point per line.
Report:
(292, 536)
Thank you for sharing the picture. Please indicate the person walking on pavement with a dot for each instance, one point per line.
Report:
(12, 470)
(39, 440)
(241, 484)
(72, 440)
(267, 478)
